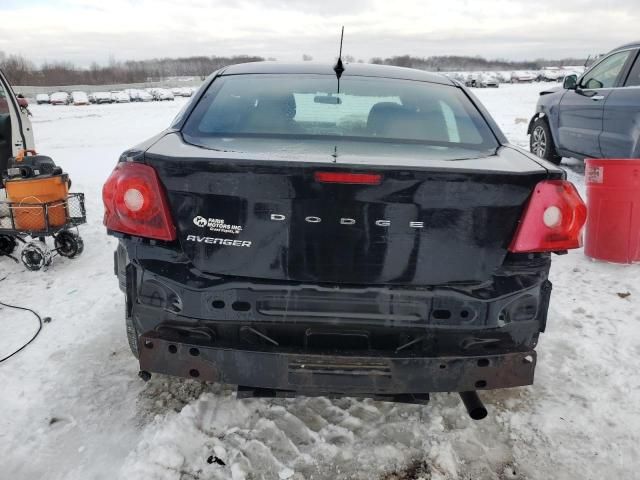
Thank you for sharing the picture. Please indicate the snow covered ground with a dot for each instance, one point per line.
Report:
(72, 406)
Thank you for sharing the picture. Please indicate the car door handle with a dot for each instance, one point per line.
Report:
(595, 98)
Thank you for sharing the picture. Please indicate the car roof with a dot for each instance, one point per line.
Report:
(351, 69)
(627, 46)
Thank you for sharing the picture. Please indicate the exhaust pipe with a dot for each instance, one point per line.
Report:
(473, 404)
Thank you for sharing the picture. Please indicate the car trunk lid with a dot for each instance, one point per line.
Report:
(267, 216)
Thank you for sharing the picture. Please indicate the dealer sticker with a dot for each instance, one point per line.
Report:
(217, 225)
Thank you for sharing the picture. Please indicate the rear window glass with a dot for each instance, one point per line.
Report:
(367, 109)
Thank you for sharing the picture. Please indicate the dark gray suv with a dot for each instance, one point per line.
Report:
(596, 115)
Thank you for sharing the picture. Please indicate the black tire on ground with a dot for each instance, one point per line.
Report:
(69, 244)
(541, 142)
(7, 245)
(36, 255)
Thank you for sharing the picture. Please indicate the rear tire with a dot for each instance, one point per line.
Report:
(541, 142)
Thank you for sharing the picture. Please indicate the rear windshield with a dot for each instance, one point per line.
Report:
(295, 108)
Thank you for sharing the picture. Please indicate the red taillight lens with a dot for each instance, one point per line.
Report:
(135, 203)
(352, 178)
(552, 220)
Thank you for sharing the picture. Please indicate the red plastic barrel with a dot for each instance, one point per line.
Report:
(613, 210)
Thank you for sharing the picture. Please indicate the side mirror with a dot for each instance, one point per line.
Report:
(570, 82)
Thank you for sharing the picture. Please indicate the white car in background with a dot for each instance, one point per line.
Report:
(154, 92)
(144, 96)
(102, 97)
(42, 98)
(79, 98)
(59, 98)
(139, 95)
(120, 97)
(472, 79)
(164, 94)
(551, 74)
(133, 94)
(503, 77)
(523, 77)
(487, 80)
(182, 91)
(573, 69)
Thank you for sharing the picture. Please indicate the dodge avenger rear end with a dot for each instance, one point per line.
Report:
(295, 232)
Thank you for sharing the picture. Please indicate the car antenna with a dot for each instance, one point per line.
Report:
(339, 67)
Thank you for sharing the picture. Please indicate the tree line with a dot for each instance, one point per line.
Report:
(452, 63)
(21, 71)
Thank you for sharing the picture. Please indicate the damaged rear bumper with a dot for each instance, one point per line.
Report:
(336, 374)
(298, 338)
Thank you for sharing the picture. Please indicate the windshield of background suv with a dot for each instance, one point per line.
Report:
(295, 108)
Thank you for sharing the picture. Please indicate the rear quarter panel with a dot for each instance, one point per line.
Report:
(549, 107)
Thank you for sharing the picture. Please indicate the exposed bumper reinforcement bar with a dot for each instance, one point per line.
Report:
(314, 374)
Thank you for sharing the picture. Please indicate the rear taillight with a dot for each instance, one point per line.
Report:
(135, 203)
(349, 178)
(552, 220)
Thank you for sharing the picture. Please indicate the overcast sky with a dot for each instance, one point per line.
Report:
(83, 31)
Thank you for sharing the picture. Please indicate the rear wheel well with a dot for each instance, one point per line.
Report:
(533, 120)
(541, 141)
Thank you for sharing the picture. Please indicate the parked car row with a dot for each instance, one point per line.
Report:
(479, 79)
(494, 79)
(116, 96)
(483, 80)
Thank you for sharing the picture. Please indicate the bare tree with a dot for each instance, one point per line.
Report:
(17, 68)
(23, 72)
